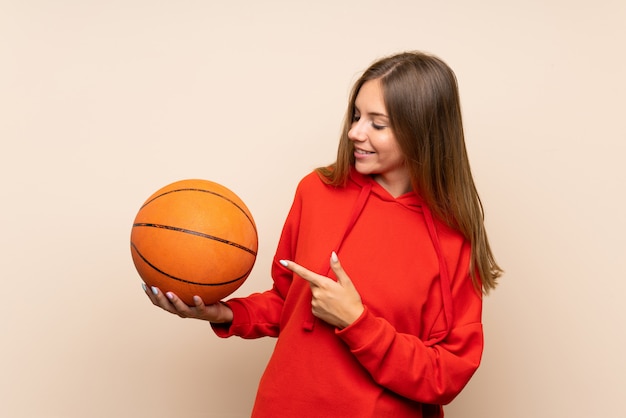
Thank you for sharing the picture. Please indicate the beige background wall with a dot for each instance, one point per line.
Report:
(103, 102)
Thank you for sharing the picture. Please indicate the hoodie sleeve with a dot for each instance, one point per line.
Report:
(259, 314)
(433, 371)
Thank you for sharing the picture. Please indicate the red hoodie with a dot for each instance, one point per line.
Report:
(417, 343)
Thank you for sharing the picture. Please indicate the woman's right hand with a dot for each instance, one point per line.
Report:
(217, 313)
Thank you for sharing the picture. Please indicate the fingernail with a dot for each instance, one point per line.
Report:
(333, 257)
(169, 295)
(144, 287)
(155, 291)
(284, 263)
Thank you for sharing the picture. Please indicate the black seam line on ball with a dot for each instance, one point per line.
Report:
(183, 280)
(203, 191)
(196, 233)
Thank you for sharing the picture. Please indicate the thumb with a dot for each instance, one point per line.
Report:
(342, 277)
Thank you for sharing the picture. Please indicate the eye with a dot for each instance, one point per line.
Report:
(378, 127)
(356, 117)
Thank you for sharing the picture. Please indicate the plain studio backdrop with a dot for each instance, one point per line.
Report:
(103, 102)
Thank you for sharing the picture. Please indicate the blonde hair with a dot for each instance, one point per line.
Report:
(422, 101)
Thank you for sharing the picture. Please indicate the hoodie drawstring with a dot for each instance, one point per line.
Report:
(444, 277)
(356, 212)
(309, 322)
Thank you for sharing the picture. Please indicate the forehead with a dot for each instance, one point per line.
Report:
(370, 98)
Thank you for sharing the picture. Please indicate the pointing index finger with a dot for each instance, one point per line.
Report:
(305, 273)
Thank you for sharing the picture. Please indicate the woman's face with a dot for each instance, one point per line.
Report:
(376, 151)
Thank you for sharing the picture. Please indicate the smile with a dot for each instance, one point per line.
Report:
(362, 152)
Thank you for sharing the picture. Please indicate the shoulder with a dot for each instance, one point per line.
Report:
(312, 183)
(310, 186)
(317, 195)
(312, 179)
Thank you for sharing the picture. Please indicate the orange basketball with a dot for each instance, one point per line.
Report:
(194, 237)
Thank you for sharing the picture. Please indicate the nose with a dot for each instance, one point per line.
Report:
(357, 131)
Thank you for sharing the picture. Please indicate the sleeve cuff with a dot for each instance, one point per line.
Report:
(361, 331)
(240, 316)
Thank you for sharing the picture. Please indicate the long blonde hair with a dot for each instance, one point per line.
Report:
(422, 101)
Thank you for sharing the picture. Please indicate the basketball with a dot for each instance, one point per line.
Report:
(194, 237)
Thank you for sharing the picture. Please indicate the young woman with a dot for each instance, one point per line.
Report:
(381, 265)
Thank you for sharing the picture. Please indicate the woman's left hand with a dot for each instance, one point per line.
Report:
(335, 302)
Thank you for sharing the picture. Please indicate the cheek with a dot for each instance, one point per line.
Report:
(392, 148)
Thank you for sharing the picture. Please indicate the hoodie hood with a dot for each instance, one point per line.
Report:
(369, 187)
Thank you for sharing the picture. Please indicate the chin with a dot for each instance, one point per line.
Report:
(364, 169)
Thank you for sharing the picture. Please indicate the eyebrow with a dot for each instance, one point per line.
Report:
(372, 113)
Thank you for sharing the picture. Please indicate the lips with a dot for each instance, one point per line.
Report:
(362, 151)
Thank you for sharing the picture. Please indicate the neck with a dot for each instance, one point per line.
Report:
(395, 187)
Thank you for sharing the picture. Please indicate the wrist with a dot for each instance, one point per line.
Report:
(226, 314)
(222, 315)
(352, 317)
